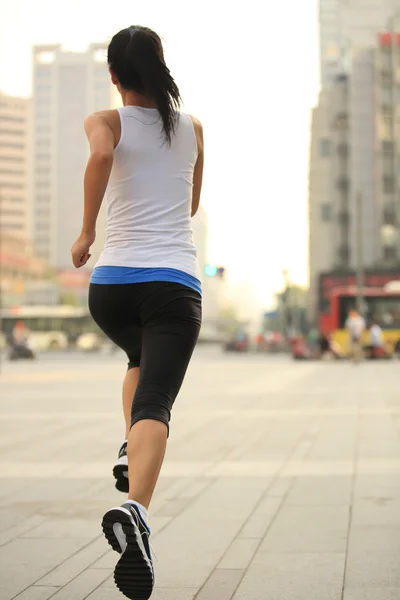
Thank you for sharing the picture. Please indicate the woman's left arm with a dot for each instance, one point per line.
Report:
(97, 174)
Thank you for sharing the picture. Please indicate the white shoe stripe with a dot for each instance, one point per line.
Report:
(122, 461)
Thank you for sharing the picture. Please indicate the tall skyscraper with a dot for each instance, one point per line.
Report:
(14, 165)
(355, 142)
(347, 26)
(67, 87)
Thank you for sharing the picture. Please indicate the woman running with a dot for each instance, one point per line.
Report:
(145, 293)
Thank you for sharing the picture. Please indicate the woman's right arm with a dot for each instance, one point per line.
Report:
(198, 169)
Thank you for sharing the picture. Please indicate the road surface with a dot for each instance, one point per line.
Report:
(282, 480)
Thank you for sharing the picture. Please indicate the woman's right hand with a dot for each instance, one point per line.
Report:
(80, 251)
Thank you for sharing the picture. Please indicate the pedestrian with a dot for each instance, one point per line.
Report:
(355, 325)
(376, 340)
(145, 291)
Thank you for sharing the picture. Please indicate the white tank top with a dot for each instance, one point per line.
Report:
(149, 195)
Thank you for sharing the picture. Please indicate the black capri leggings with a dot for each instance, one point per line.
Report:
(157, 324)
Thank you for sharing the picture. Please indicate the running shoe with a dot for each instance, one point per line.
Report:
(120, 470)
(127, 533)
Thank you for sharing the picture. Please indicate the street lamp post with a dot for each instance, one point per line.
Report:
(393, 87)
(359, 253)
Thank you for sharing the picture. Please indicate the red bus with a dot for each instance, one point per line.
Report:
(381, 305)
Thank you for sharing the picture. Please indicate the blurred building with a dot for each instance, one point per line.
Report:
(200, 235)
(355, 150)
(14, 165)
(22, 274)
(345, 27)
(67, 87)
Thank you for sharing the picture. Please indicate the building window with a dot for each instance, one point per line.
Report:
(344, 217)
(14, 199)
(326, 212)
(12, 119)
(388, 184)
(386, 76)
(11, 145)
(17, 159)
(344, 253)
(13, 186)
(389, 253)
(12, 132)
(343, 184)
(15, 226)
(343, 150)
(42, 226)
(44, 142)
(11, 172)
(42, 199)
(9, 212)
(387, 148)
(387, 113)
(325, 148)
(389, 216)
(387, 93)
(341, 122)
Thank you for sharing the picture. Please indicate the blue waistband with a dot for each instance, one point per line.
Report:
(120, 275)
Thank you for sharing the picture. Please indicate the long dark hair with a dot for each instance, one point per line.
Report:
(136, 57)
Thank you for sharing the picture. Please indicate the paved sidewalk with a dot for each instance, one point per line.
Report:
(282, 481)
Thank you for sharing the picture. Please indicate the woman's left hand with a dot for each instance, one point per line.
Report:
(81, 249)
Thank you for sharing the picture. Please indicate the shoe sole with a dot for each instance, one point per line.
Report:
(121, 481)
(132, 575)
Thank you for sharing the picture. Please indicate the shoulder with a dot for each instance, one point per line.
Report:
(198, 129)
(103, 117)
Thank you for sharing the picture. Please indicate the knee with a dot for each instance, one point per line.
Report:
(133, 363)
(151, 404)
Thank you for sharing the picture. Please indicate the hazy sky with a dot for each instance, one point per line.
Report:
(249, 72)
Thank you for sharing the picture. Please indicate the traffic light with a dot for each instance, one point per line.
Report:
(214, 271)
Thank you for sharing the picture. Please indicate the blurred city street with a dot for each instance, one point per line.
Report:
(281, 480)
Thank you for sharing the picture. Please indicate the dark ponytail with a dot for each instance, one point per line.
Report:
(136, 57)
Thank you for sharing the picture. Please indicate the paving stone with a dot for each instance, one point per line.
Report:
(278, 439)
(293, 577)
(280, 486)
(24, 561)
(308, 529)
(320, 491)
(36, 592)
(108, 593)
(221, 585)
(372, 594)
(256, 526)
(20, 527)
(106, 561)
(80, 587)
(373, 558)
(268, 506)
(376, 511)
(239, 554)
(174, 507)
(75, 564)
(195, 488)
(65, 528)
